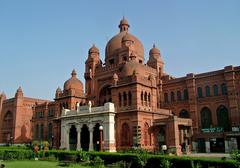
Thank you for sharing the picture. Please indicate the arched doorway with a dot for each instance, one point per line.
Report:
(85, 138)
(161, 138)
(206, 118)
(125, 135)
(96, 137)
(222, 117)
(73, 138)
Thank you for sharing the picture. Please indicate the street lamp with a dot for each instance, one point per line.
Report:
(101, 130)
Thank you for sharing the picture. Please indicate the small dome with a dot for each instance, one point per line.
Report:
(73, 82)
(132, 67)
(93, 49)
(59, 90)
(154, 50)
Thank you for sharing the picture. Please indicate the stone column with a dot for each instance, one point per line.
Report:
(91, 138)
(79, 137)
(67, 138)
(63, 132)
(207, 144)
(227, 150)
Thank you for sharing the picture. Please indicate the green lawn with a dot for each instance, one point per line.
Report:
(37, 164)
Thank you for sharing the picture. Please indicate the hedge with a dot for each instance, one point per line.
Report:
(136, 160)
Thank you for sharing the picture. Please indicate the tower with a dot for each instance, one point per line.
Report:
(91, 64)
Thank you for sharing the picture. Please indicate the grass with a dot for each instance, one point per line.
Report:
(37, 164)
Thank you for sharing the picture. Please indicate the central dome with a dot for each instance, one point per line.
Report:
(115, 42)
(73, 82)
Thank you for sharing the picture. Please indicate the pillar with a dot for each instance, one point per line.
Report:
(207, 144)
(67, 138)
(79, 137)
(91, 138)
(227, 150)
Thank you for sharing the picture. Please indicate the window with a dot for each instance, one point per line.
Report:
(172, 97)
(41, 131)
(111, 61)
(222, 117)
(179, 96)
(206, 118)
(184, 114)
(224, 89)
(215, 90)
(49, 131)
(140, 61)
(142, 98)
(124, 99)
(120, 99)
(36, 132)
(146, 134)
(166, 97)
(199, 91)
(129, 98)
(185, 94)
(125, 134)
(145, 98)
(207, 89)
(149, 99)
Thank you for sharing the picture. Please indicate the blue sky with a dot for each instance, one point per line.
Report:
(42, 41)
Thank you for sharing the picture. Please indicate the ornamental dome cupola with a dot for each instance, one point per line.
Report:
(154, 54)
(73, 83)
(114, 45)
(93, 49)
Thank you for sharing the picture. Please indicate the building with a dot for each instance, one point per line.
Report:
(197, 112)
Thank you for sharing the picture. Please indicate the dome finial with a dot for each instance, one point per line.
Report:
(154, 46)
(74, 74)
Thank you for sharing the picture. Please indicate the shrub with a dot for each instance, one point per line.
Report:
(97, 162)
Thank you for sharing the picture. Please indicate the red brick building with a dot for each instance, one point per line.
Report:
(198, 112)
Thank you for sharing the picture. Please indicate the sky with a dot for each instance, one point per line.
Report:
(41, 42)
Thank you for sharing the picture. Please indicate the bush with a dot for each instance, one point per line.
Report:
(12, 154)
(97, 162)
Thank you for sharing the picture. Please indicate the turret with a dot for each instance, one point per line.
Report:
(58, 92)
(91, 63)
(155, 60)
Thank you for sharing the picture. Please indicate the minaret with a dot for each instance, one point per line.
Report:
(90, 66)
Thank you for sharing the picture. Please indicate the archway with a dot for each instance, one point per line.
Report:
(96, 137)
(85, 138)
(73, 138)
(222, 117)
(125, 135)
(206, 118)
(161, 138)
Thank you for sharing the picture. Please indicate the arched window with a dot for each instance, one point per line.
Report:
(105, 95)
(120, 99)
(49, 131)
(145, 98)
(142, 98)
(207, 90)
(199, 91)
(206, 118)
(215, 90)
(222, 117)
(179, 96)
(41, 131)
(146, 135)
(172, 97)
(149, 99)
(224, 89)
(184, 114)
(8, 120)
(166, 97)
(129, 98)
(185, 94)
(124, 98)
(125, 135)
(36, 132)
